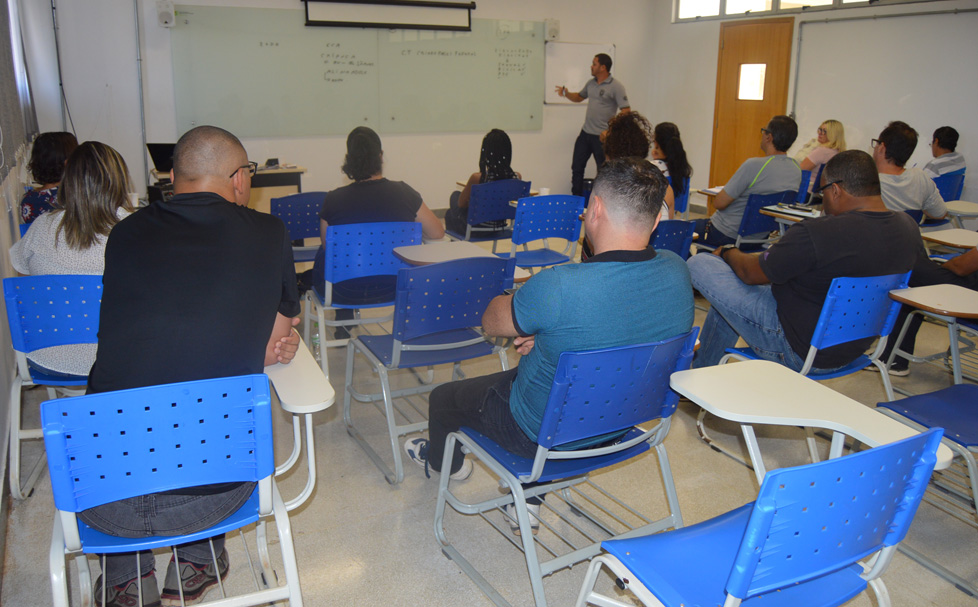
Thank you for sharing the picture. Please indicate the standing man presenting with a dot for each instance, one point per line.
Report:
(605, 97)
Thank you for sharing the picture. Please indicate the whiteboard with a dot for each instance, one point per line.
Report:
(569, 64)
(263, 73)
(865, 74)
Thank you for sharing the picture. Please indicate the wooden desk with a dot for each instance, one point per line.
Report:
(436, 252)
(273, 183)
(961, 209)
(711, 194)
(302, 390)
(956, 237)
(764, 392)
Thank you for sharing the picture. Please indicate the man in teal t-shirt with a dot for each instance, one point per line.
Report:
(627, 293)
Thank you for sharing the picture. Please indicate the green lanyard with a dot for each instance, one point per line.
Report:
(765, 166)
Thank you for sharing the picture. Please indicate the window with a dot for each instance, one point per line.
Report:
(690, 10)
(751, 84)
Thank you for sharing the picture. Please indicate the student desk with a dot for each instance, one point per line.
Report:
(787, 217)
(436, 252)
(764, 392)
(946, 303)
(961, 209)
(711, 194)
(302, 390)
(956, 237)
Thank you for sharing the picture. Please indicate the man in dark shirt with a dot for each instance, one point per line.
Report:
(773, 299)
(195, 287)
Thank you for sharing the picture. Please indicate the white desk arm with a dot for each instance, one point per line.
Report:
(302, 390)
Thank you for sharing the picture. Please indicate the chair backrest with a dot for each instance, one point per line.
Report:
(23, 229)
(681, 201)
(367, 249)
(447, 296)
(950, 185)
(916, 214)
(811, 520)
(300, 212)
(753, 222)
(857, 308)
(673, 235)
(604, 391)
(802, 195)
(52, 310)
(113, 445)
(554, 216)
(818, 176)
(490, 201)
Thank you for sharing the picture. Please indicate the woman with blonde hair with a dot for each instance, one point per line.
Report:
(830, 141)
(70, 239)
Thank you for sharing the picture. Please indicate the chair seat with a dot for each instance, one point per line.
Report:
(96, 542)
(690, 566)
(953, 409)
(559, 468)
(482, 236)
(382, 346)
(321, 300)
(860, 363)
(43, 379)
(304, 254)
(537, 258)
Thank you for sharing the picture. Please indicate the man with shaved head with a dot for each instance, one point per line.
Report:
(195, 287)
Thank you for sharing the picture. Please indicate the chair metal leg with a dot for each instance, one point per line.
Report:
(669, 484)
(882, 594)
(589, 596)
(269, 578)
(56, 564)
(300, 499)
(18, 435)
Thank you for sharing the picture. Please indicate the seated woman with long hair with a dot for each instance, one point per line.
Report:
(830, 141)
(70, 239)
(669, 155)
(47, 165)
(494, 165)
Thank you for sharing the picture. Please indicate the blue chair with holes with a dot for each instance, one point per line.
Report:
(23, 229)
(437, 312)
(44, 312)
(854, 309)
(673, 235)
(681, 201)
(802, 542)
(755, 228)
(300, 212)
(950, 185)
(806, 179)
(490, 210)
(542, 218)
(114, 445)
(360, 256)
(604, 394)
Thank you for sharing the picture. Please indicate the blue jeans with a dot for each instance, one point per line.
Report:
(710, 235)
(163, 514)
(584, 147)
(737, 310)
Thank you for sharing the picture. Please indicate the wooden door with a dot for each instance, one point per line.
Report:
(737, 122)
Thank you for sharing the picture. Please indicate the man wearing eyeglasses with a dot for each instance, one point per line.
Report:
(904, 189)
(773, 299)
(195, 287)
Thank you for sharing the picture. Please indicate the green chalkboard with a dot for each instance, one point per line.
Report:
(263, 73)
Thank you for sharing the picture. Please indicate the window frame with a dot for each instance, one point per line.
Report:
(777, 10)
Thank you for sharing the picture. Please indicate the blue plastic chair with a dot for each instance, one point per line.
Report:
(854, 308)
(754, 227)
(114, 445)
(300, 212)
(44, 312)
(800, 543)
(681, 201)
(602, 393)
(950, 185)
(806, 179)
(542, 218)
(674, 235)
(437, 310)
(23, 229)
(356, 251)
(490, 202)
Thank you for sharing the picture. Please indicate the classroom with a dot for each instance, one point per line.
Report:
(112, 74)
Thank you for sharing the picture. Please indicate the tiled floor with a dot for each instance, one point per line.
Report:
(360, 541)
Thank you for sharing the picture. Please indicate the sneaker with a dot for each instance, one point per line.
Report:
(127, 594)
(514, 526)
(195, 579)
(895, 370)
(417, 450)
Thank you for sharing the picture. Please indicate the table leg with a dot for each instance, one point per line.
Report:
(755, 452)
